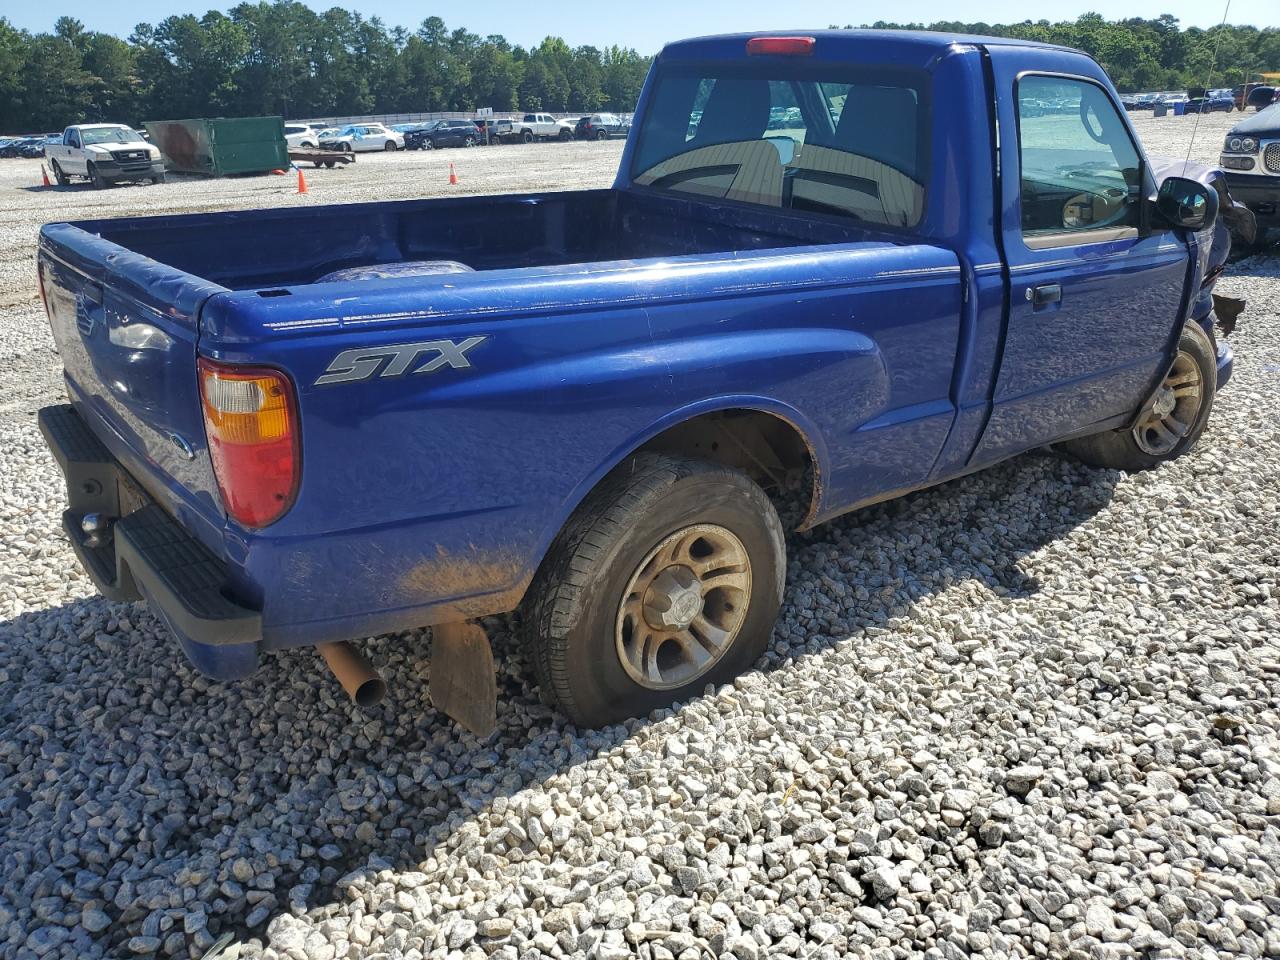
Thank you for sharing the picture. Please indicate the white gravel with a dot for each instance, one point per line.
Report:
(1031, 713)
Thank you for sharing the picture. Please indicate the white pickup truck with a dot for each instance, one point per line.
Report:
(103, 154)
(534, 126)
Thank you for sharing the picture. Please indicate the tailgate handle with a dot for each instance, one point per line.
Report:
(1044, 295)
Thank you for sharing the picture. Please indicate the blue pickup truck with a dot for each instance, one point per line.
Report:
(833, 268)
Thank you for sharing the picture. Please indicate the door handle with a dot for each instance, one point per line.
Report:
(1044, 295)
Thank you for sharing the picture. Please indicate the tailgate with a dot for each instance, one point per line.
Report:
(126, 327)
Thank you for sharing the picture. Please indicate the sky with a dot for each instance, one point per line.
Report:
(648, 24)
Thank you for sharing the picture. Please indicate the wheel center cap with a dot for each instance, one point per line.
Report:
(674, 599)
(1164, 403)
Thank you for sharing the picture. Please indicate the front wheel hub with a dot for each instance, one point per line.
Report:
(1174, 409)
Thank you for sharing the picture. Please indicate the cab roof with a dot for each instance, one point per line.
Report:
(907, 46)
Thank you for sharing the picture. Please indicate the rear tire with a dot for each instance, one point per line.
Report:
(565, 136)
(696, 540)
(59, 177)
(1172, 420)
(527, 136)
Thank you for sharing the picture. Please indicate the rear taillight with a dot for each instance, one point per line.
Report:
(780, 46)
(251, 420)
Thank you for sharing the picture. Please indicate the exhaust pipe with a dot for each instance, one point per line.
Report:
(364, 685)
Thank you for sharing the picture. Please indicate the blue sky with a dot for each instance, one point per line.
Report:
(648, 24)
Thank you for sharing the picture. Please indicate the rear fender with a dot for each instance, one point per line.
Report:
(802, 424)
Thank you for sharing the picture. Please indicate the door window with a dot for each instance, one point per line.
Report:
(1080, 168)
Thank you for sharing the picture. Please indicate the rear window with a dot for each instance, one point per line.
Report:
(806, 137)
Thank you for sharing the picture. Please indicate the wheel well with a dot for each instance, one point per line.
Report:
(770, 450)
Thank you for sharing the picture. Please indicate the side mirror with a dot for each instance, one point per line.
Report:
(1187, 203)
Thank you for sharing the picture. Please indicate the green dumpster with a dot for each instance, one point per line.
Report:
(221, 147)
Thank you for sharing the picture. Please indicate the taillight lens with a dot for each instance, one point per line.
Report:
(251, 420)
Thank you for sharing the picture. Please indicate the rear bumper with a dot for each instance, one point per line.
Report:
(146, 555)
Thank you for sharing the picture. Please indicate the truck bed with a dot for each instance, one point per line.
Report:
(284, 247)
(593, 320)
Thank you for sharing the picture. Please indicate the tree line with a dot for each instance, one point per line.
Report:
(1145, 55)
(284, 58)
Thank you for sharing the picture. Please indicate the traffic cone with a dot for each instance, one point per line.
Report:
(302, 182)
(277, 173)
(453, 177)
(44, 175)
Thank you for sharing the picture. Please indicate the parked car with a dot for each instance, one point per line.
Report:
(442, 133)
(1261, 97)
(1244, 95)
(361, 138)
(1214, 101)
(301, 136)
(535, 126)
(105, 154)
(601, 126)
(485, 129)
(600, 407)
(1251, 159)
(23, 147)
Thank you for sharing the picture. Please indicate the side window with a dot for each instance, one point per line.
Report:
(1079, 164)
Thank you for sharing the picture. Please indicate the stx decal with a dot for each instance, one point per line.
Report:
(395, 359)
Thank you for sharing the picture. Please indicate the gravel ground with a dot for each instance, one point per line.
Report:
(1030, 713)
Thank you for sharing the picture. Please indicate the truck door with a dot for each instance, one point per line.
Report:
(1093, 297)
(71, 159)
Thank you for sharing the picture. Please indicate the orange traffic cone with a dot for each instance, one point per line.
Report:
(453, 177)
(44, 175)
(302, 182)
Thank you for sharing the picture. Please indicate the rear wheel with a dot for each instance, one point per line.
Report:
(565, 135)
(469, 142)
(668, 578)
(58, 175)
(1173, 418)
(527, 136)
